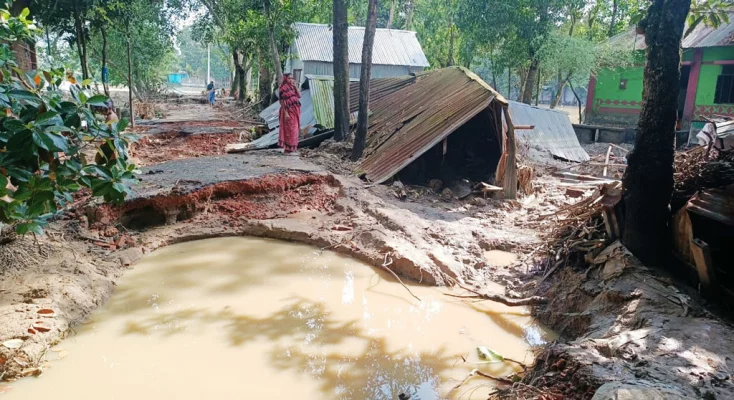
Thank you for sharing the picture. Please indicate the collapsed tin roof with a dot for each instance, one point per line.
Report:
(410, 116)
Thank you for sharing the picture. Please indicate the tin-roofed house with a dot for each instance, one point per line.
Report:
(706, 87)
(395, 53)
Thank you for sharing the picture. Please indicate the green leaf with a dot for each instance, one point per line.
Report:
(45, 117)
(98, 100)
(23, 95)
(32, 227)
(50, 141)
(86, 82)
(489, 355)
(25, 13)
(82, 97)
(14, 125)
(20, 174)
(122, 124)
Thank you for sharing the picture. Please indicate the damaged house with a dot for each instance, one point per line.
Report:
(445, 124)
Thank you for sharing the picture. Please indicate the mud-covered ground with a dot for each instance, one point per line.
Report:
(619, 321)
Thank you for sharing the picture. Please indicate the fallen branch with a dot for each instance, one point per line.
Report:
(476, 372)
(385, 265)
(529, 301)
(606, 162)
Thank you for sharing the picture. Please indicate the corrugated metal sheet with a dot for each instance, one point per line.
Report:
(553, 131)
(702, 36)
(378, 71)
(715, 204)
(392, 47)
(410, 116)
(270, 114)
(322, 91)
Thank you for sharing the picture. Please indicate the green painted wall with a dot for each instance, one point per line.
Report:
(607, 84)
(607, 88)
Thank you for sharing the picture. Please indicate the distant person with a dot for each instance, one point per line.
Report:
(212, 93)
(290, 115)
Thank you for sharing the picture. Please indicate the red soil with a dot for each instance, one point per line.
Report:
(156, 149)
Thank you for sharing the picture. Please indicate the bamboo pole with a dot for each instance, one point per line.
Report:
(510, 181)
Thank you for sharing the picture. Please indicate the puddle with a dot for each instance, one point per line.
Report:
(499, 258)
(253, 318)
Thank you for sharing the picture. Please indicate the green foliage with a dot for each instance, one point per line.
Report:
(43, 135)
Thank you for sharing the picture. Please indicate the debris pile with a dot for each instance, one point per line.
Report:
(698, 169)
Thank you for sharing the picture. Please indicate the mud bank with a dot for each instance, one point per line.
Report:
(48, 287)
(631, 332)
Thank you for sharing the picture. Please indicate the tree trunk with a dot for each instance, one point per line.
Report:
(537, 87)
(648, 180)
(390, 16)
(527, 95)
(242, 71)
(105, 72)
(360, 138)
(235, 81)
(130, 76)
(509, 82)
(265, 83)
(80, 46)
(409, 15)
(578, 100)
(614, 19)
(341, 71)
(559, 94)
(273, 45)
(450, 60)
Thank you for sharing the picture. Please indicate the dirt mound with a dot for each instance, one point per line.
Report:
(334, 156)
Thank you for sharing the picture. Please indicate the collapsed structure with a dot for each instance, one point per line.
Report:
(445, 124)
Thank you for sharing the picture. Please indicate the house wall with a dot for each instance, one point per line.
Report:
(612, 105)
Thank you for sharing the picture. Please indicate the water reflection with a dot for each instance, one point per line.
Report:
(264, 319)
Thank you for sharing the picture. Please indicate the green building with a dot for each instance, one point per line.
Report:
(706, 87)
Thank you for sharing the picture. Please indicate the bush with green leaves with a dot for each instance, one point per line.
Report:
(44, 136)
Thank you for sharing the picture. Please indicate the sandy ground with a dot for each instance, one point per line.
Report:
(619, 321)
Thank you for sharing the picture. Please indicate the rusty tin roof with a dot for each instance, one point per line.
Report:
(411, 115)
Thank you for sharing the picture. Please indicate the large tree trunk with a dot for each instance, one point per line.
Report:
(648, 180)
(341, 71)
(105, 72)
(613, 22)
(390, 16)
(360, 138)
(527, 94)
(273, 45)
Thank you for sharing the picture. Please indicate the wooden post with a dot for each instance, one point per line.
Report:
(510, 181)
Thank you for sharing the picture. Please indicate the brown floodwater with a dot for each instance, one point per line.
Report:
(245, 318)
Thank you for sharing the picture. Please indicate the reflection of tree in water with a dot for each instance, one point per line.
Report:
(372, 372)
(376, 373)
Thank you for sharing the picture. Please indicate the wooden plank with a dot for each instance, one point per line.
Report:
(238, 147)
(598, 127)
(510, 181)
(606, 162)
(524, 127)
(702, 257)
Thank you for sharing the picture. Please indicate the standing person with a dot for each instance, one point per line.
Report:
(290, 115)
(212, 93)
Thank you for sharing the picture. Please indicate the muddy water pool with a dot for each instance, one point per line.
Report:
(245, 318)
